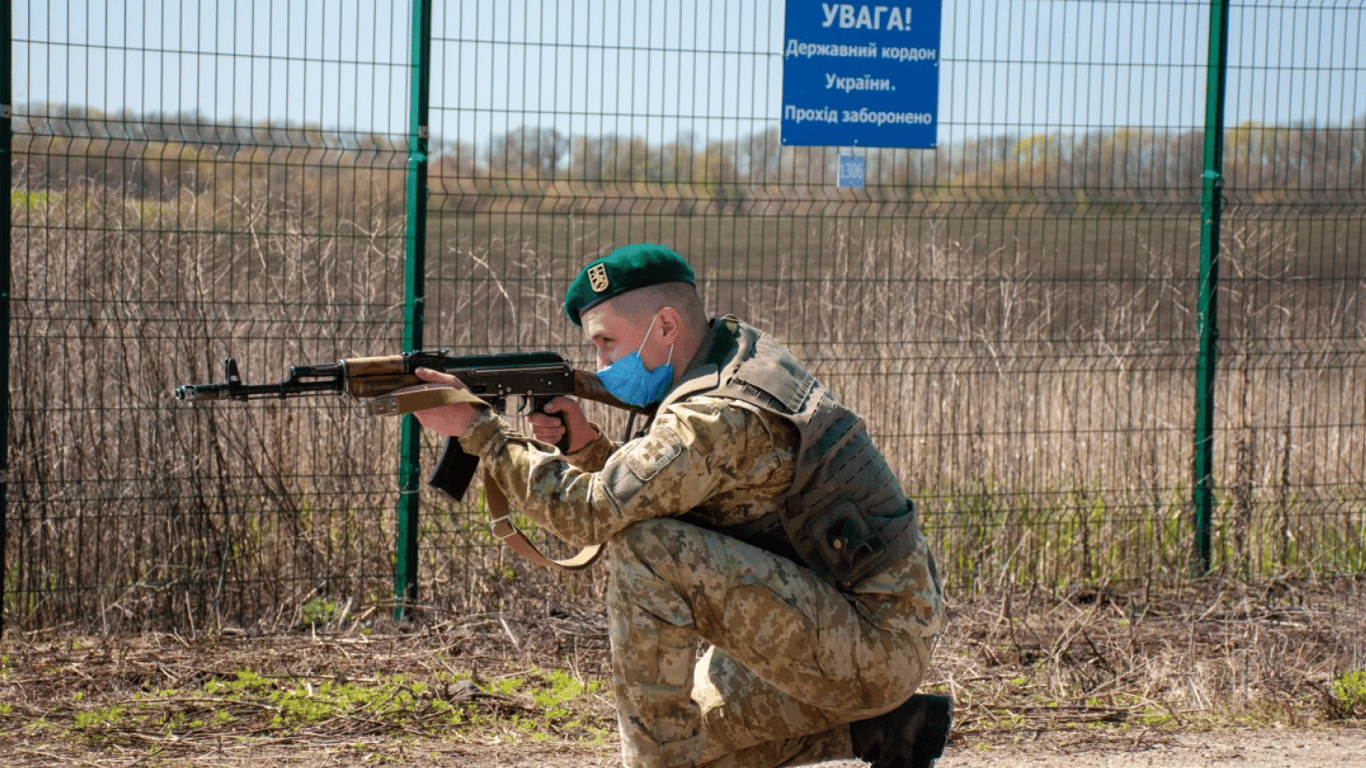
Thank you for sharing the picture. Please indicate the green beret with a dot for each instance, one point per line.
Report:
(629, 267)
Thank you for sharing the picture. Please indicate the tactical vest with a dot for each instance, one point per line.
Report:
(846, 516)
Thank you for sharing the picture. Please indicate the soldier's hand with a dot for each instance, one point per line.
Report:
(547, 425)
(451, 420)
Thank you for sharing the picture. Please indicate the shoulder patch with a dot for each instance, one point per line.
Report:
(654, 452)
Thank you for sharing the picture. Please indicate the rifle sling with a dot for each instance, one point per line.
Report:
(456, 468)
(503, 529)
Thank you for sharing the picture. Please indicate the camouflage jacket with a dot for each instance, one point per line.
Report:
(710, 460)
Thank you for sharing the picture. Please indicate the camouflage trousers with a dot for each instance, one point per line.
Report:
(790, 660)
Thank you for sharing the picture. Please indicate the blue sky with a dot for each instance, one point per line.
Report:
(712, 69)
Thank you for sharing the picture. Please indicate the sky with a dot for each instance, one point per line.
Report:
(707, 69)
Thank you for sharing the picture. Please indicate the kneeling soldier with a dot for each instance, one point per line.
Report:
(754, 514)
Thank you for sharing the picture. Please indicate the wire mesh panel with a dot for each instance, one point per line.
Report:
(1291, 413)
(1014, 310)
(177, 202)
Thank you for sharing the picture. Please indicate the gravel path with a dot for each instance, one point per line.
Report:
(1336, 748)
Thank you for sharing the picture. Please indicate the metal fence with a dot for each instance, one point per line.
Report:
(1110, 329)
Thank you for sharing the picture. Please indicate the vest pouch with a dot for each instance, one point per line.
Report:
(837, 542)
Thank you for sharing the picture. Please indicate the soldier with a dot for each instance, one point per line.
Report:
(753, 514)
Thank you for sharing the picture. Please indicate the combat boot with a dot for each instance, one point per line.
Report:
(911, 736)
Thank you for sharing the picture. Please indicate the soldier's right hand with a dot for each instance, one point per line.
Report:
(548, 427)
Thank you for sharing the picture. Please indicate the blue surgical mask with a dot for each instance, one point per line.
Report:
(629, 382)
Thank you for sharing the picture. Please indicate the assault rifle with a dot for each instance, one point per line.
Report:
(539, 377)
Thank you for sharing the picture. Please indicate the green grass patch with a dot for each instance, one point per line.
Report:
(535, 705)
(1349, 693)
(28, 200)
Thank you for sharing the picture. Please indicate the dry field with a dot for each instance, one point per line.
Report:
(1209, 673)
(1041, 418)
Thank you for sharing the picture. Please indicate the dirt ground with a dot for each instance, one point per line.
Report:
(1334, 748)
(1323, 748)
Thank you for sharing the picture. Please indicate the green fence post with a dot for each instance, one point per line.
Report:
(1211, 210)
(6, 181)
(414, 302)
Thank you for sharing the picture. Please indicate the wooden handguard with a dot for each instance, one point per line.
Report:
(368, 377)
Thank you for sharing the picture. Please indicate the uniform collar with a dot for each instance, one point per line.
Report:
(717, 349)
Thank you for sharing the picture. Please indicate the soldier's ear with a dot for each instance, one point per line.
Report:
(670, 323)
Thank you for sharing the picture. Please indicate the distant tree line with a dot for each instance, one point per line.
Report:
(332, 172)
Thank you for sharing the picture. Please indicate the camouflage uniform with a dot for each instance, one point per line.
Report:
(792, 658)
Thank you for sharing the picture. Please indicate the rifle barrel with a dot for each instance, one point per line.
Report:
(240, 391)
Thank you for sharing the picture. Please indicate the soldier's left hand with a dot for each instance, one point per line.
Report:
(450, 420)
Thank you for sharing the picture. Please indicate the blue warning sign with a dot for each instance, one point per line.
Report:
(861, 75)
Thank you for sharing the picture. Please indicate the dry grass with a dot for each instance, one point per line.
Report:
(1043, 420)
(1209, 654)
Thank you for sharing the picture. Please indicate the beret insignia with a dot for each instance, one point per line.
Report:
(597, 278)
